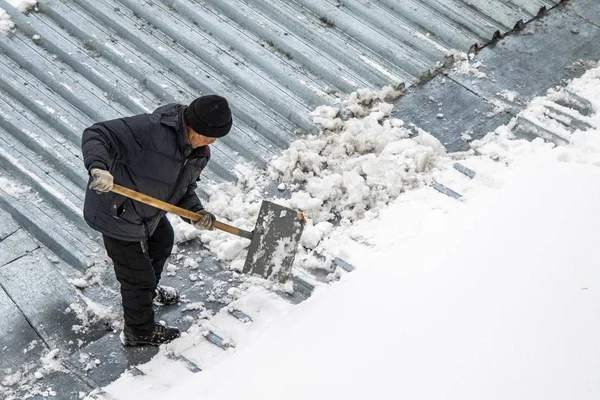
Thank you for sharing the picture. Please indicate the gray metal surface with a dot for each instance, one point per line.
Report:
(551, 50)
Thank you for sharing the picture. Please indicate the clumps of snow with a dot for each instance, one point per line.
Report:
(88, 362)
(228, 249)
(287, 287)
(23, 5)
(172, 269)
(191, 263)
(463, 65)
(6, 23)
(313, 234)
(81, 314)
(183, 230)
(27, 381)
(79, 283)
(199, 306)
(361, 159)
(91, 313)
(508, 95)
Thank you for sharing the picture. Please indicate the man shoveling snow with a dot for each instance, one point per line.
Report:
(160, 154)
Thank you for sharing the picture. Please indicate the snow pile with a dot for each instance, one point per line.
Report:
(6, 24)
(361, 160)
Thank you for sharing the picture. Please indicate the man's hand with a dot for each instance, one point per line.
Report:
(103, 180)
(206, 221)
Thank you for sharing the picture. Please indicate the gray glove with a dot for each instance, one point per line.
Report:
(206, 221)
(103, 180)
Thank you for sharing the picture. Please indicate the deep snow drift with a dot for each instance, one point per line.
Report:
(497, 300)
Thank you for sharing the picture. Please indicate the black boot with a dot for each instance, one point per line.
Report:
(155, 336)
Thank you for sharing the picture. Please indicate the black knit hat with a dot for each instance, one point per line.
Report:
(209, 116)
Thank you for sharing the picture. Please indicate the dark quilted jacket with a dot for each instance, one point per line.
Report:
(148, 153)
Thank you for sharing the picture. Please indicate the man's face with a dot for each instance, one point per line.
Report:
(198, 140)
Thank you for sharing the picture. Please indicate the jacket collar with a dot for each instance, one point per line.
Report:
(172, 115)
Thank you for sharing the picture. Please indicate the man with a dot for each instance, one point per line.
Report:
(161, 155)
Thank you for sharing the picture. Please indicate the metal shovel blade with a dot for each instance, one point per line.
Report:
(274, 242)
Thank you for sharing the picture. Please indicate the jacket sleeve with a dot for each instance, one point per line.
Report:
(190, 200)
(105, 141)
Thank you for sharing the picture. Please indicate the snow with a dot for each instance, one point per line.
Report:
(490, 297)
(31, 381)
(6, 24)
(464, 66)
(491, 313)
(23, 5)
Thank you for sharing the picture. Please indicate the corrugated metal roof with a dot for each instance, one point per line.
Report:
(74, 62)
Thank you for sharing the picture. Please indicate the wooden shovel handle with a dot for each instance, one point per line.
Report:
(182, 212)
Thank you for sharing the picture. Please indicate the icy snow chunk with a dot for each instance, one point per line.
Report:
(198, 306)
(230, 249)
(288, 287)
(190, 263)
(304, 201)
(79, 283)
(422, 161)
(398, 146)
(237, 265)
(312, 261)
(428, 140)
(172, 270)
(183, 231)
(326, 116)
(312, 235)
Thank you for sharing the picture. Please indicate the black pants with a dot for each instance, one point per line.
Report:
(138, 266)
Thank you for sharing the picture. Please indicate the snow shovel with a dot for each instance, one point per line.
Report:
(273, 242)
